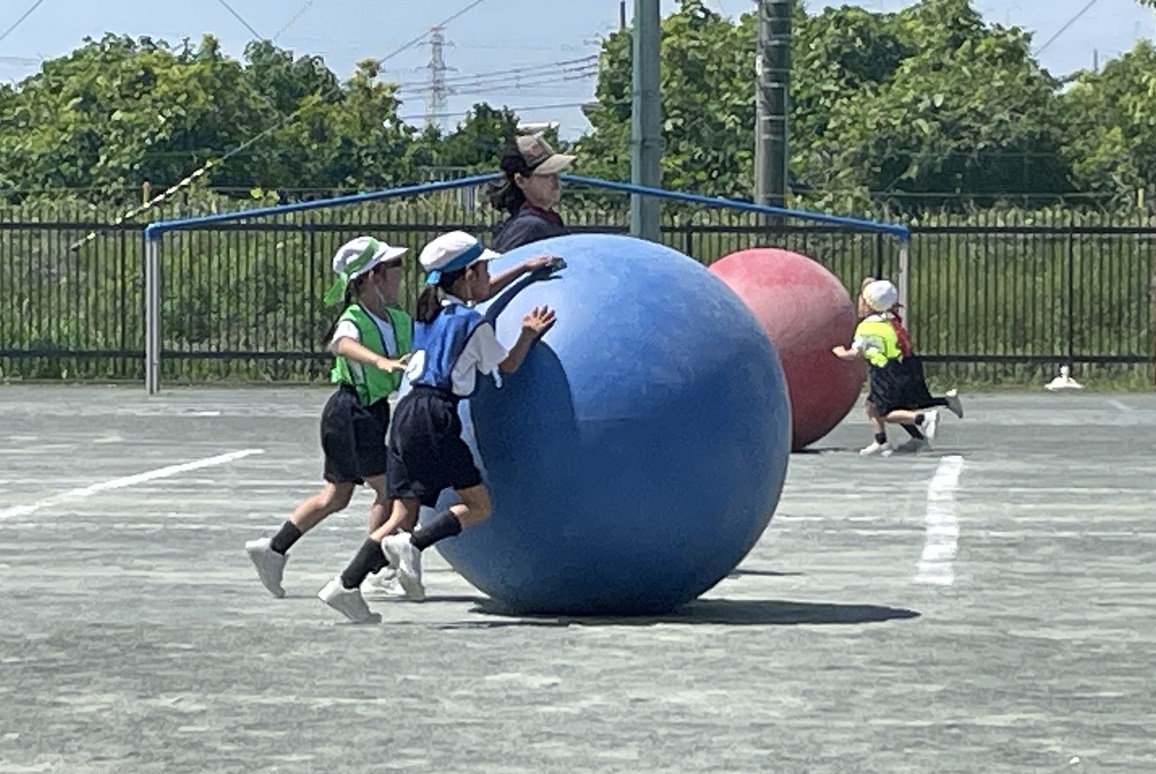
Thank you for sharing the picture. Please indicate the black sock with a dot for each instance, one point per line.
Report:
(444, 525)
(379, 566)
(881, 437)
(939, 402)
(368, 556)
(285, 539)
(914, 432)
(918, 419)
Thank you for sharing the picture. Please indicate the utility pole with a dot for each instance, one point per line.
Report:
(435, 106)
(646, 119)
(773, 73)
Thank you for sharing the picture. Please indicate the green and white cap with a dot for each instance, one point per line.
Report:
(356, 257)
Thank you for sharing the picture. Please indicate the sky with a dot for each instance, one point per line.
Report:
(536, 56)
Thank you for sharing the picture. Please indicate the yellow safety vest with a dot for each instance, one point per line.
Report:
(876, 338)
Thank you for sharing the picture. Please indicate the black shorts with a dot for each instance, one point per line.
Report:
(426, 452)
(899, 385)
(353, 437)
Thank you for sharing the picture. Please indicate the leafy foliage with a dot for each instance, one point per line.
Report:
(1112, 116)
(927, 103)
(930, 100)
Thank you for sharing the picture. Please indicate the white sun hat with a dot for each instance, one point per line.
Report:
(450, 252)
(356, 257)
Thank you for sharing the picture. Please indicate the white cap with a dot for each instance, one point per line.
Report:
(356, 257)
(450, 252)
(347, 255)
(880, 295)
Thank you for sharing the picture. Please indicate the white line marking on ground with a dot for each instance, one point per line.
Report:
(942, 528)
(1120, 405)
(120, 483)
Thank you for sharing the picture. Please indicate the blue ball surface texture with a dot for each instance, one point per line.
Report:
(639, 452)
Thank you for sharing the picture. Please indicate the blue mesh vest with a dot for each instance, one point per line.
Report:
(437, 346)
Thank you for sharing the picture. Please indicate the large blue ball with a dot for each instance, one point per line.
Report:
(639, 453)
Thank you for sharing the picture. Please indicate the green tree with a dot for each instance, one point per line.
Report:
(116, 112)
(1112, 124)
(286, 81)
(707, 104)
(930, 99)
(475, 144)
(353, 139)
(967, 109)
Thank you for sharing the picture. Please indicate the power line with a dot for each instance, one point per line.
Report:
(563, 64)
(551, 106)
(18, 22)
(241, 19)
(484, 85)
(293, 19)
(1064, 29)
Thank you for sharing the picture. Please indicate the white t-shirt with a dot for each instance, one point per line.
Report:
(483, 354)
(348, 330)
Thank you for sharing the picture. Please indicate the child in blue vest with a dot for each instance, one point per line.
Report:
(453, 343)
(371, 340)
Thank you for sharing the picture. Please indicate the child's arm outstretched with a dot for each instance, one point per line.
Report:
(500, 282)
(534, 325)
(843, 353)
(358, 352)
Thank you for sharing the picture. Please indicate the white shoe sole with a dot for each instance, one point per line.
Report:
(335, 595)
(409, 580)
(269, 569)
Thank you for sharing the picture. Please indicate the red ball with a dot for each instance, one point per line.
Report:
(806, 311)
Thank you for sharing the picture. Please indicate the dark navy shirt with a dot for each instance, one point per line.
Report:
(530, 224)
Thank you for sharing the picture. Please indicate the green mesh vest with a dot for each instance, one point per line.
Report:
(373, 384)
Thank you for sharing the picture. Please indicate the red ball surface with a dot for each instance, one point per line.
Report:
(806, 311)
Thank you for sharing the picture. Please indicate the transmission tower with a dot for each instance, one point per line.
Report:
(436, 101)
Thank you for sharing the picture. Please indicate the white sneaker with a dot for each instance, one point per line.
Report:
(382, 585)
(348, 602)
(407, 561)
(930, 424)
(876, 448)
(270, 564)
(954, 404)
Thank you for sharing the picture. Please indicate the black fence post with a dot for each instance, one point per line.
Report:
(878, 270)
(1071, 301)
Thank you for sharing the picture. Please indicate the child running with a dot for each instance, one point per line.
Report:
(453, 343)
(898, 392)
(370, 340)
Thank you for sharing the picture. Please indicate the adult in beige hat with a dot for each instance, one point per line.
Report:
(528, 192)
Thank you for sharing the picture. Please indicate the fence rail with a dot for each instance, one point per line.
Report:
(989, 302)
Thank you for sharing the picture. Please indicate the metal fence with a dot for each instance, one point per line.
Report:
(990, 301)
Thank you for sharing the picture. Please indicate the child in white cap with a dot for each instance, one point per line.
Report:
(453, 344)
(898, 392)
(371, 340)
